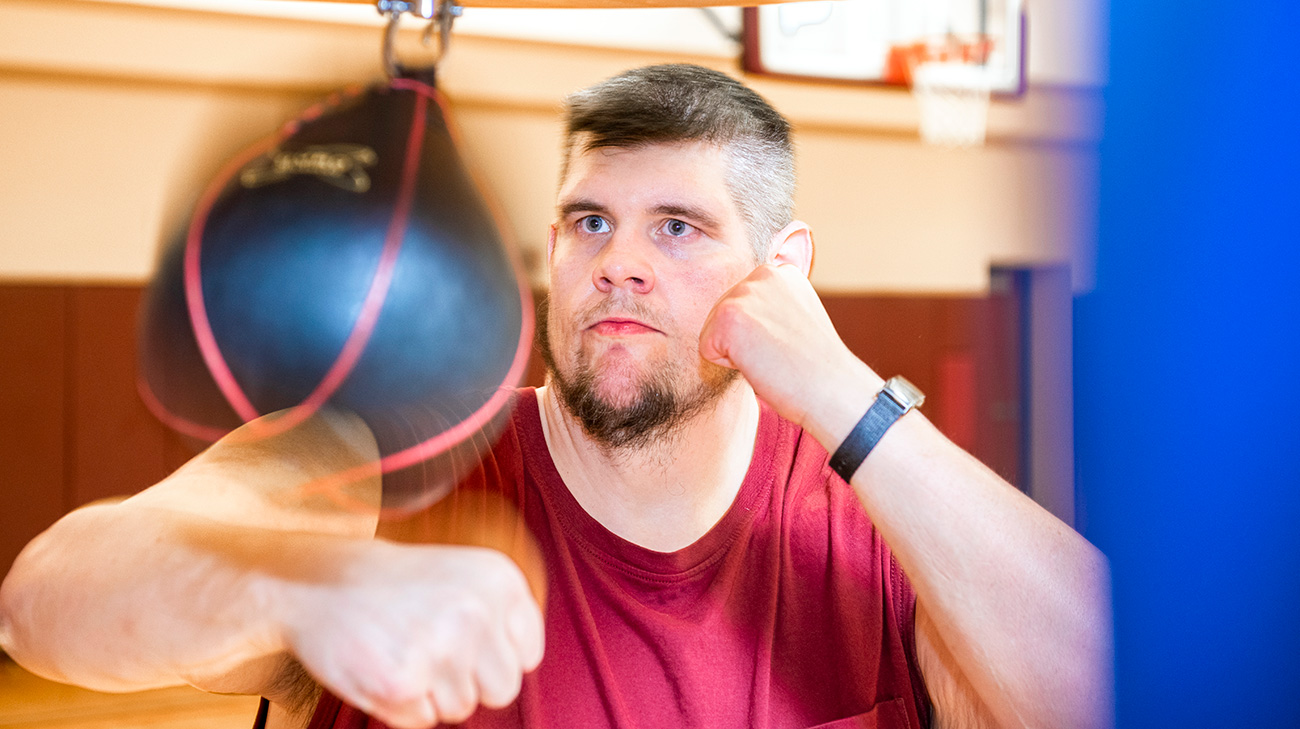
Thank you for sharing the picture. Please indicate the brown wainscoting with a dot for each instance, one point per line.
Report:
(962, 351)
(73, 428)
(118, 447)
(33, 422)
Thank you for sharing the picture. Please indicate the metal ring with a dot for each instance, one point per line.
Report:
(441, 16)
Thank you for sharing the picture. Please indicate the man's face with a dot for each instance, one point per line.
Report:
(645, 242)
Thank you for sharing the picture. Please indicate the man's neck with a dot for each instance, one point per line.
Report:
(667, 495)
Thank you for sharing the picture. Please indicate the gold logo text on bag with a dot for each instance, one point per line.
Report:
(341, 165)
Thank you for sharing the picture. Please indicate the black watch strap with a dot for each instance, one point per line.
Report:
(866, 434)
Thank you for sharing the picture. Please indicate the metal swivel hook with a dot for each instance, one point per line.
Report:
(439, 13)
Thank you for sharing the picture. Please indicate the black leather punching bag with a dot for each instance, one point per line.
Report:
(348, 261)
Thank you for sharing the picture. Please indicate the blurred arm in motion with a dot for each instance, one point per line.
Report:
(229, 576)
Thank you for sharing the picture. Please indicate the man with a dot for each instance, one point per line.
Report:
(705, 565)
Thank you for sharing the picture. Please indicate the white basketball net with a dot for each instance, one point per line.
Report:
(953, 97)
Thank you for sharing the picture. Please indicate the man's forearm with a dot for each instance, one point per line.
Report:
(1019, 599)
(120, 597)
(218, 573)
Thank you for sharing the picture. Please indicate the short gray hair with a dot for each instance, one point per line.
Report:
(687, 103)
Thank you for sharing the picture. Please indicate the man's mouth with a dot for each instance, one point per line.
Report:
(618, 327)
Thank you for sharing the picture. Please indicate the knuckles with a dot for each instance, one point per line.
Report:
(726, 316)
(405, 699)
(416, 649)
(456, 705)
(498, 695)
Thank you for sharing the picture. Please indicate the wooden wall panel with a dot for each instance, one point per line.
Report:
(119, 447)
(963, 352)
(1000, 359)
(32, 425)
(536, 374)
(74, 428)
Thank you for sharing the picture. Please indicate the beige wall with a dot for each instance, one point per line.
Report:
(113, 115)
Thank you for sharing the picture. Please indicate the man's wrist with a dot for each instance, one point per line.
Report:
(894, 400)
(843, 399)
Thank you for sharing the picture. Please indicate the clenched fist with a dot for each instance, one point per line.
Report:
(415, 635)
(773, 329)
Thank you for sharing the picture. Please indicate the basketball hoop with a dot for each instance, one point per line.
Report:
(951, 81)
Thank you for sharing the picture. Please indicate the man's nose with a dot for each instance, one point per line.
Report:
(624, 262)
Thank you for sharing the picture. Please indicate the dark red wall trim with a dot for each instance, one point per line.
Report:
(73, 428)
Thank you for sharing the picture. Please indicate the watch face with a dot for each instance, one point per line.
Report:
(907, 394)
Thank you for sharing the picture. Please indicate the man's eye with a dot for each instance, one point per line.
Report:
(677, 228)
(594, 224)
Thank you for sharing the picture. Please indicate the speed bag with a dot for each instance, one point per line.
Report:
(348, 261)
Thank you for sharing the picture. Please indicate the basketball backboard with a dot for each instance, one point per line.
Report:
(882, 41)
(575, 3)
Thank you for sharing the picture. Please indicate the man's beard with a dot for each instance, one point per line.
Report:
(658, 410)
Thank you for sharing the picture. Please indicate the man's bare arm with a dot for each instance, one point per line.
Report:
(1013, 607)
(101, 598)
(222, 572)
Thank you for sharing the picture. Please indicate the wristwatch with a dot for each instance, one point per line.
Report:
(893, 401)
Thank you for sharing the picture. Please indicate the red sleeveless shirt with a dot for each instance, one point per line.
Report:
(789, 612)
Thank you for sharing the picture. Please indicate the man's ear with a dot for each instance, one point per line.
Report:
(550, 244)
(793, 244)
